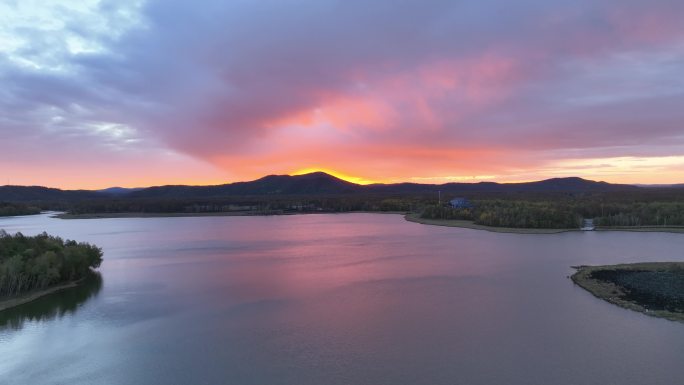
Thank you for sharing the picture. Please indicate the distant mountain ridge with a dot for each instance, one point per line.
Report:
(317, 183)
(119, 190)
(306, 184)
(39, 193)
(673, 185)
(571, 184)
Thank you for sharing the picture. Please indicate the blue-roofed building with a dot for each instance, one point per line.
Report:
(460, 203)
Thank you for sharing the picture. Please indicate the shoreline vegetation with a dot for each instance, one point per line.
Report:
(32, 267)
(466, 224)
(654, 288)
(547, 206)
(17, 209)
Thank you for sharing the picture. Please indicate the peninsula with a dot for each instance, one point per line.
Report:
(32, 267)
(653, 288)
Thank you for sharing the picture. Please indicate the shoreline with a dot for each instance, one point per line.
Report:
(643, 229)
(208, 214)
(471, 225)
(411, 217)
(9, 303)
(159, 215)
(611, 293)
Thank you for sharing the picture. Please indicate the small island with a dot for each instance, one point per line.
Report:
(655, 288)
(31, 267)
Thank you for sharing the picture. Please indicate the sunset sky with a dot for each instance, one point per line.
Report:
(96, 94)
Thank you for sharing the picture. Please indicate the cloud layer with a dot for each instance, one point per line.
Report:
(384, 90)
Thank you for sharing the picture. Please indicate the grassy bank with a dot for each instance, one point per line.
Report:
(471, 225)
(650, 288)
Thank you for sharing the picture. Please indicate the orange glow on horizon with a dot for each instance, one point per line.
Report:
(430, 166)
(348, 178)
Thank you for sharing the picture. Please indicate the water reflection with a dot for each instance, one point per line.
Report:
(52, 306)
(338, 299)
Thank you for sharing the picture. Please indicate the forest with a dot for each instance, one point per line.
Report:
(35, 263)
(499, 213)
(254, 204)
(664, 207)
(525, 209)
(12, 209)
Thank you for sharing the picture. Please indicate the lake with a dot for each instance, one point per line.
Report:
(336, 299)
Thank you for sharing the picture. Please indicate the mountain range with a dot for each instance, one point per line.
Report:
(317, 183)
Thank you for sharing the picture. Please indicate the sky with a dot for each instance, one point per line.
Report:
(132, 93)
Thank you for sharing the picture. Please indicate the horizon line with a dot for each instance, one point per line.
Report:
(348, 179)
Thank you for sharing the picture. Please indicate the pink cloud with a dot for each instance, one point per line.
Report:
(385, 90)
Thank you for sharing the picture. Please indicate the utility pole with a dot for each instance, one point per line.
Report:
(439, 194)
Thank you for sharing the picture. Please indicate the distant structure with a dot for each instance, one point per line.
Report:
(460, 203)
(588, 225)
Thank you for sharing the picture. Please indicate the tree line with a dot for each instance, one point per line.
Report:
(566, 210)
(11, 209)
(264, 204)
(643, 207)
(35, 263)
(501, 213)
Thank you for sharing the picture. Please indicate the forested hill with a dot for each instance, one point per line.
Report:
(572, 184)
(317, 183)
(38, 193)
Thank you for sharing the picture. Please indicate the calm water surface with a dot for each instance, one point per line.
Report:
(336, 299)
